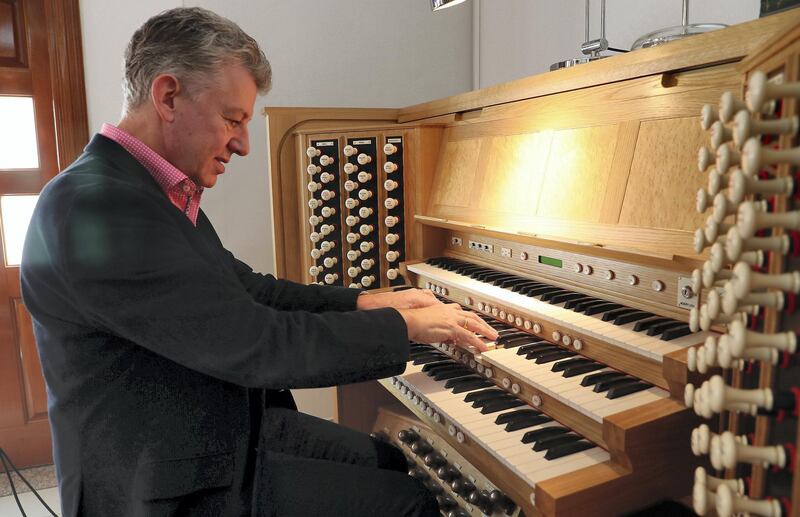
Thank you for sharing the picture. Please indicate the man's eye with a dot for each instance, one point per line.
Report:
(233, 123)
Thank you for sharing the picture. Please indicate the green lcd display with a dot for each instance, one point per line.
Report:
(549, 261)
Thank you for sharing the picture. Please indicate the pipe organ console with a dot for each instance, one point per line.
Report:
(646, 312)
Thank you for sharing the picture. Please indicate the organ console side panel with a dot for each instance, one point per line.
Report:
(566, 210)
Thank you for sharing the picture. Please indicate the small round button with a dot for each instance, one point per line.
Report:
(536, 400)
(481, 306)
(518, 321)
(488, 373)
(577, 344)
(506, 382)
(537, 328)
(633, 279)
(610, 275)
(515, 389)
(566, 340)
(658, 286)
(479, 368)
(451, 430)
(510, 318)
(556, 336)
(460, 437)
(577, 268)
(502, 315)
(588, 270)
(523, 255)
(527, 324)
(495, 311)
(467, 300)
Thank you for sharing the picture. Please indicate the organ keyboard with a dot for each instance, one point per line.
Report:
(565, 210)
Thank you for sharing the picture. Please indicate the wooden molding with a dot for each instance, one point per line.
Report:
(65, 48)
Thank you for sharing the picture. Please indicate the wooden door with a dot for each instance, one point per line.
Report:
(41, 95)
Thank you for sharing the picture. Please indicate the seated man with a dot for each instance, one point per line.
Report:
(167, 359)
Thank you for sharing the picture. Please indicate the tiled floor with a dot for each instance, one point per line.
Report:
(32, 506)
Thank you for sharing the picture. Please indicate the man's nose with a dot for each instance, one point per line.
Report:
(240, 144)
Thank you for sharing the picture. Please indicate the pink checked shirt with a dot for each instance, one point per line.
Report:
(182, 191)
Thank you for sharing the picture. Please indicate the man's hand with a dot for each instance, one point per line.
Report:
(447, 323)
(406, 299)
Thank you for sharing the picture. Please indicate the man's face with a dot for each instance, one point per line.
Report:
(211, 125)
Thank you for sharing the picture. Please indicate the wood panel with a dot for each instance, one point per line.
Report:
(578, 171)
(714, 47)
(13, 52)
(30, 366)
(664, 180)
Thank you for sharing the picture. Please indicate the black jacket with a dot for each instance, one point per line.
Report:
(159, 348)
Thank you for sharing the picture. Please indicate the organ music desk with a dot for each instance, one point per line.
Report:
(567, 210)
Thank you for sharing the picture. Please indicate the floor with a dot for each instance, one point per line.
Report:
(32, 506)
(43, 479)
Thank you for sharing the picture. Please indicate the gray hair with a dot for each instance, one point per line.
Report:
(191, 44)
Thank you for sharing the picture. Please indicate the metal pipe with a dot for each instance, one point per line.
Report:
(603, 18)
(586, 23)
(684, 13)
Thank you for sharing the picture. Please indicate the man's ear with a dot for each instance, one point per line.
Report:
(164, 90)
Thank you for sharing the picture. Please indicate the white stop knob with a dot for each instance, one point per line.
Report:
(392, 274)
(326, 177)
(316, 254)
(364, 159)
(330, 262)
(314, 220)
(364, 194)
(366, 246)
(352, 238)
(353, 255)
(392, 238)
(391, 220)
(351, 220)
(390, 185)
(391, 256)
(313, 169)
(314, 270)
(353, 272)
(327, 195)
(350, 168)
(364, 176)
(331, 278)
(389, 167)
(365, 211)
(328, 211)
(350, 185)
(312, 151)
(351, 203)
(313, 186)
(390, 203)
(325, 160)
(367, 264)
(349, 150)
(367, 280)
(327, 246)
(389, 149)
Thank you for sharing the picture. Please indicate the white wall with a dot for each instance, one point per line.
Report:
(518, 38)
(363, 53)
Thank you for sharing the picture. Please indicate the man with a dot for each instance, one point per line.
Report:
(165, 356)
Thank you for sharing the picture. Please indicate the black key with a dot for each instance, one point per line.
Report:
(590, 380)
(501, 405)
(511, 415)
(676, 332)
(456, 382)
(514, 343)
(601, 307)
(658, 329)
(546, 297)
(630, 317)
(488, 400)
(561, 298)
(518, 334)
(582, 306)
(538, 291)
(528, 421)
(540, 434)
(559, 451)
(465, 384)
(504, 278)
(563, 365)
(434, 365)
(538, 345)
(610, 383)
(452, 374)
(510, 282)
(626, 389)
(613, 314)
(572, 371)
(522, 285)
(554, 441)
(483, 393)
(643, 325)
(573, 303)
(554, 356)
(429, 358)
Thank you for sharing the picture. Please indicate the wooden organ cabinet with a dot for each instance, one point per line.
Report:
(564, 209)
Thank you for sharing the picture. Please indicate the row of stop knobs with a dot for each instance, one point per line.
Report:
(742, 167)
(489, 502)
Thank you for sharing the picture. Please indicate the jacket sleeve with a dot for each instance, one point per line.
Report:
(133, 275)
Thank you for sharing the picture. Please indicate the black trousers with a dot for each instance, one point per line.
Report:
(307, 466)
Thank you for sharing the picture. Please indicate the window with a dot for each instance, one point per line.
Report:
(15, 212)
(18, 148)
